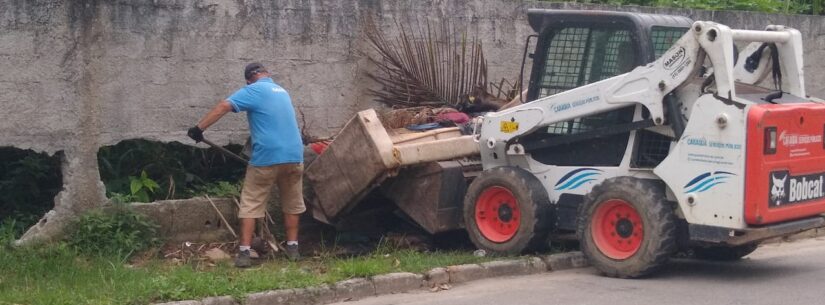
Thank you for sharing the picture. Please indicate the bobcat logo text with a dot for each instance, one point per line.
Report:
(788, 189)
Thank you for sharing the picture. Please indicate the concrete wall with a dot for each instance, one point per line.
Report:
(79, 74)
(193, 219)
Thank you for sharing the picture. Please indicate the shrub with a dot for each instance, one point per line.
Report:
(119, 232)
(142, 187)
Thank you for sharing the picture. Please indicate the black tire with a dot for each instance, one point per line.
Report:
(655, 244)
(722, 253)
(531, 200)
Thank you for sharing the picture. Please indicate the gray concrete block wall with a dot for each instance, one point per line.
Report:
(77, 75)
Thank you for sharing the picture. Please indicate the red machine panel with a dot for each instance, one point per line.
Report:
(785, 165)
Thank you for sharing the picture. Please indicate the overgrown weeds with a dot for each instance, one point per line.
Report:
(118, 233)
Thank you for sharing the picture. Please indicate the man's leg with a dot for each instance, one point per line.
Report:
(257, 186)
(291, 222)
(290, 187)
(247, 228)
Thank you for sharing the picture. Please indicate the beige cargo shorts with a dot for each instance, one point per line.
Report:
(258, 184)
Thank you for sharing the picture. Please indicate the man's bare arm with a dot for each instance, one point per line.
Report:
(215, 114)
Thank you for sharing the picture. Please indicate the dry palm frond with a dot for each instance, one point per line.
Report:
(431, 69)
(504, 89)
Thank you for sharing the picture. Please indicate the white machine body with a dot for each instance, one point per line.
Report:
(705, 169)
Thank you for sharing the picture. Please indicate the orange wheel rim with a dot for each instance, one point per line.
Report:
(497, 214)
(617, 229)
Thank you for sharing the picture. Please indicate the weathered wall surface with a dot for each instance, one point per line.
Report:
(79, 74)
(192, 219)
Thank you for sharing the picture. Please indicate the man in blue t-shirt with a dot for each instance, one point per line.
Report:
(277, 155)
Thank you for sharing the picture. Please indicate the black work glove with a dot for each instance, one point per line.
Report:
(196, 134)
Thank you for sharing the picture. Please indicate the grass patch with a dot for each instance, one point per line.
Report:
(57, 274)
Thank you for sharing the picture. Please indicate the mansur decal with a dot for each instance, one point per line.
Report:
(786, 189)
(674, 58)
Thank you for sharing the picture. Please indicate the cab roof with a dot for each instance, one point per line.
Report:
(540, 19)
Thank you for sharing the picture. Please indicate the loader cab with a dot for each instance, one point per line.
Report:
(576, 48)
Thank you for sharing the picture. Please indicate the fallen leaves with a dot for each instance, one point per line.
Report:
(440, 287)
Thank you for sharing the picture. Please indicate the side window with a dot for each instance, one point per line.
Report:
(563, 62)
(578, 56)
(664, 37)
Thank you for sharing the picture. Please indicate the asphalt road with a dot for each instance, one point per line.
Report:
(783, 274)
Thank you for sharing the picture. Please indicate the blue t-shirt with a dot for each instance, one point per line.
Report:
(272, 123)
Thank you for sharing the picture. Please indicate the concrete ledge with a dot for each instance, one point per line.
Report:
(224, 300)
(537, 265)
(514, 267)
(436, 276)
(466, 273)
(316, 295)
(397, 282)
(273, 297)
(563, 261)
(359, 288)
(353, 289)
(191, 219)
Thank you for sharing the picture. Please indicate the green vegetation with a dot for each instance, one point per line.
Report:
(218, 189)
(58, 274)
(142, 186)
(118, 233)
(28, 183)
(144, 171)
(811, 7)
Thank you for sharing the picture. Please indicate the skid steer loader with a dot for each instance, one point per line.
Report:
(645, 134)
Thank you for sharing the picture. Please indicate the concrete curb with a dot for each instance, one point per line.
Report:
(359, 288)
(562, 261)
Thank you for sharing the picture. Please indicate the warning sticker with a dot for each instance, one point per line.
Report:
(509, 127)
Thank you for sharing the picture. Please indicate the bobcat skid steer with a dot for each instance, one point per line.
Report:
(646, 134)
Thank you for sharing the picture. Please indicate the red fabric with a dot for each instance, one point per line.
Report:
(456, 117)
(319, 147)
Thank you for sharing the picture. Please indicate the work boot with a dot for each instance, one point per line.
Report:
(244, 259)
(292, 252)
